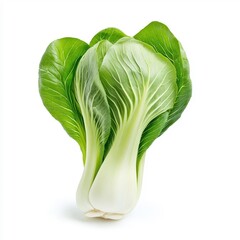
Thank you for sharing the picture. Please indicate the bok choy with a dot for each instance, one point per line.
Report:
(114, 97)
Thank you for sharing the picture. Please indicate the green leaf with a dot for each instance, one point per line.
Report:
(93, 104)
(56, 74)
(110, 34)
(151, 132)
(163, 41)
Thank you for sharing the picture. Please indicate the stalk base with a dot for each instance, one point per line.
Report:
(105, 215)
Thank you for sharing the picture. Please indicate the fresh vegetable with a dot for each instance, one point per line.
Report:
(115, 96)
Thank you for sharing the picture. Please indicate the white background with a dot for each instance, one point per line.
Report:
(191, 187)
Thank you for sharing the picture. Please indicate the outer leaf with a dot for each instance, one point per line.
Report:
(92, 101)
(163, 41)
(110, 34)
(56, 73)
(140, 85)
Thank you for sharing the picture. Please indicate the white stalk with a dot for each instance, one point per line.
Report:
(116, 188)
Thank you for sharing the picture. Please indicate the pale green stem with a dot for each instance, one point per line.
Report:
(92, 163)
